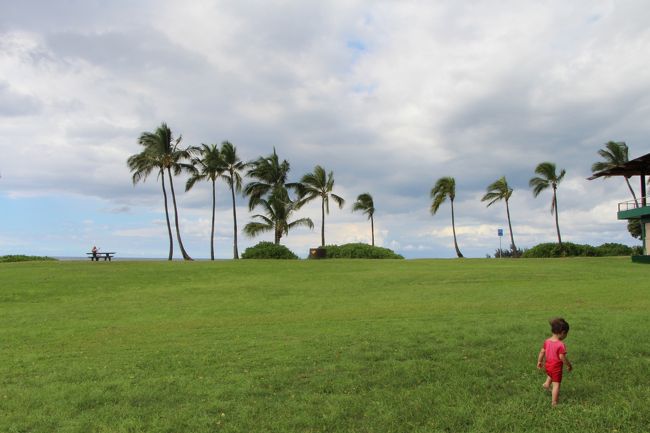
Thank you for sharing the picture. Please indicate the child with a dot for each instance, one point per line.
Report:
(554, 351)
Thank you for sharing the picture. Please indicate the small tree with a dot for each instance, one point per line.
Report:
(319, 185)
(445, 188)
(366, 205)
(548, 179)
(496, 191)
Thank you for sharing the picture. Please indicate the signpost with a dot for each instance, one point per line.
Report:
(500, 233)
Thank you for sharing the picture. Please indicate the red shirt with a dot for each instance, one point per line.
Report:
(553, 349)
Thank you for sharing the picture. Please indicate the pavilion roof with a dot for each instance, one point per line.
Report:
(635, 167)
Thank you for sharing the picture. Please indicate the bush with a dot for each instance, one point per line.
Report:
(570, 249)
(614, 249)
(268, 250)
(360, 251)
(500, 253)
(23, 258)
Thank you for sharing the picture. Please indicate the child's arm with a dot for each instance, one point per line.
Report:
(565, 360)
(540, 357)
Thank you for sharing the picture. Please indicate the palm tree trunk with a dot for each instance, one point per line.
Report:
(178, 232)
(278, 236)
(453, 228)
(322, 225)
(234, 219)
(632, 191)
(372, 230)
(169, 226)
(512, 239)
(557, 223)
(212, 232)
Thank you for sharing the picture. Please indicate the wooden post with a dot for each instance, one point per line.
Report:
(643, 193)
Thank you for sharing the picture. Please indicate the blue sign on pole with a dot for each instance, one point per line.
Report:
(500, 232)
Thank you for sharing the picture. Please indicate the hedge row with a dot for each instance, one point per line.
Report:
(570, 249)
(22, 258)
(360, 251)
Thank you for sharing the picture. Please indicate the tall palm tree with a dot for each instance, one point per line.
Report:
(142, 164)
(548, 178)
(614, 154)
(278, 209)
(232, 176)
(161, 146)
(366, 205)
(496, 191)
(445, 187)
(315, 185)
(208, 166)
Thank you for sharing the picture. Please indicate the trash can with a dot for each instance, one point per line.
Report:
(317, 253)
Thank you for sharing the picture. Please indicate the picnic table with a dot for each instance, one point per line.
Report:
(106, 255)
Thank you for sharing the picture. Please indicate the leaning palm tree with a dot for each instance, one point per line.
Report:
(614, 155)
(548, 178)
(496, 191)
(445, 187)
(208, 166)
(142, 164)
(366, 205)
(232, 176)
(319, 185)
(278, 209)
(162, 147)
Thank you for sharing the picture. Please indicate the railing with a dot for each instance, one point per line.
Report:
(632, 204)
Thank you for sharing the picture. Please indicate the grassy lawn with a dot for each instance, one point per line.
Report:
(321, 346)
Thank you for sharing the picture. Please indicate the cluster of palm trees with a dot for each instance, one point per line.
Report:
(269, 189)
(277, 199)
(614, 154)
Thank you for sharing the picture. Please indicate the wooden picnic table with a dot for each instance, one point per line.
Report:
(106, 255)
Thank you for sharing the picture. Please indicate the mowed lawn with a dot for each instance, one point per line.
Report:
(321, 346)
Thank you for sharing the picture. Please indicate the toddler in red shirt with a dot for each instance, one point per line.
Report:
(554, 351)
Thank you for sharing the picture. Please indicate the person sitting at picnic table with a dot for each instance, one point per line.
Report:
(94, 251)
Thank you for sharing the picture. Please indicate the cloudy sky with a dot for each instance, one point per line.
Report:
(389, 95)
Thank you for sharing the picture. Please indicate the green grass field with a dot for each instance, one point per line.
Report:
(321, 346)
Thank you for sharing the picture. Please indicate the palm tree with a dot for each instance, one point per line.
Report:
(278, 209)
(445, 187)
(366, 205)
(499, 190)
(233, 167)
(614, 154)
(142, 164)
(270, 176)
(270, 190)
(208, 166)
(163, 148)
(318, 184)
(548, 178)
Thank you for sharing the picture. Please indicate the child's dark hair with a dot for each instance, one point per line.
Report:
(559, 325)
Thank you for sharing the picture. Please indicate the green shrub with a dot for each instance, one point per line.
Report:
(569, 249)
(23, 258)
(268, 250)
(360, 251)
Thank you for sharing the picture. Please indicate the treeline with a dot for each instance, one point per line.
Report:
(276, 200)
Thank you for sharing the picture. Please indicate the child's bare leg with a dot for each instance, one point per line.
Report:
(555, 393)
(546, 385)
